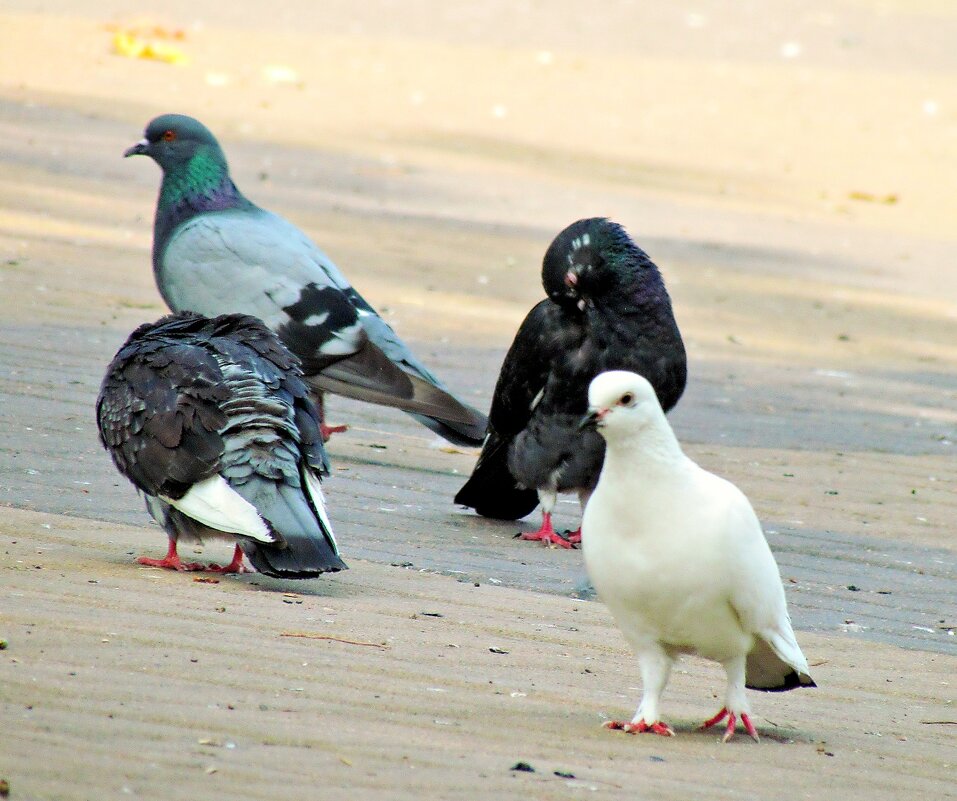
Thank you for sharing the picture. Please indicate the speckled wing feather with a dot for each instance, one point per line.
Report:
(159, 413)
(212, 420)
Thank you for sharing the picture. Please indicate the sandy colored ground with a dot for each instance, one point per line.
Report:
(137, 682)
(789, 168)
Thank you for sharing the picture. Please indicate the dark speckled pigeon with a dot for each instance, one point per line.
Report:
(607, 309)
(214, 252)
(211, 420)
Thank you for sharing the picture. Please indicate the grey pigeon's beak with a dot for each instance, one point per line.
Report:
(141, 148)
(592, 419)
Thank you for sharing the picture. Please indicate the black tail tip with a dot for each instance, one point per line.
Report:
(285, 563)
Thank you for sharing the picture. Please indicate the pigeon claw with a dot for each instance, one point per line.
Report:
(547, 534)
(170, 563)
(574, 537)
(235, 566)
(631, 727)
(551, 539)
(732, 722)
(328, 431)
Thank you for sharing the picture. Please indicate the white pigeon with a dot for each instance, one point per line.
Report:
(678, 556)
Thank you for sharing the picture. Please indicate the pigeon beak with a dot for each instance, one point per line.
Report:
(571, 278)
(141, 148)
(592, 419)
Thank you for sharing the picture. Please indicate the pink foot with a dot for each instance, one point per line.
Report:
(732, 721)
(236, 566)
(328, 431)
(546, 534)
(640, 727)
(575, 536)
(171, 561)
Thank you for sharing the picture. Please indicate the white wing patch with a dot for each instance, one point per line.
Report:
(214, 503)
(316, 319)
(344, 341)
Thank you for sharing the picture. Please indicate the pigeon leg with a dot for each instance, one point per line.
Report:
(576, 535)
(171, 561)
(236, 566)
(328, 431)
(324, 430)
(655, 670)
(736, 704)
(547, 533)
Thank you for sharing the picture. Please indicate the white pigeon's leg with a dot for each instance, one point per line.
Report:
(655, 670)
(736, 703)
(547, 534)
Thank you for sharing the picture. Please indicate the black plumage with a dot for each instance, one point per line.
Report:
(211, 420)
(607, 309)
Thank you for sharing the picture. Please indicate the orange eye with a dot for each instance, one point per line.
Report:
(169, 136)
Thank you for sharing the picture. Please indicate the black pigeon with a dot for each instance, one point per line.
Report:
(607, 309)
(211, 420)
(214, 252)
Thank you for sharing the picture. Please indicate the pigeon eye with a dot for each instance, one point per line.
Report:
(627, 399)
(169, 136)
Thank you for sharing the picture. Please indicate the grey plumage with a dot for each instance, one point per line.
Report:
(210, 419)
(216, 252)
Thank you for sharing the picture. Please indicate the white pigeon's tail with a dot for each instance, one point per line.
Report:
(776, 664)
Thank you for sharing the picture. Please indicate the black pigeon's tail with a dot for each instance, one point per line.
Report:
(308, 546)
(491, 491)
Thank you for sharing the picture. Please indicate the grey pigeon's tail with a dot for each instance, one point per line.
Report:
(465, 426)
(307, 547)
(370, 375)
(464, 434)
(491, 490)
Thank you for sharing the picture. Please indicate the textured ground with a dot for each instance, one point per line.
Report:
(783, 164)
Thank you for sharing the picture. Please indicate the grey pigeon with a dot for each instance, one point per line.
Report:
(210, 419)
(215, 252)
(678, 556)
(607, 308)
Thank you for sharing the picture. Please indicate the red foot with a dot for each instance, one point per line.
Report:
(171, 561)
(546, 534)
(328, 431)
(236, 566)
(732, 721)
(575, 536)
(640, 727)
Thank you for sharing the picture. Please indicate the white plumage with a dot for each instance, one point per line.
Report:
(678, 556)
